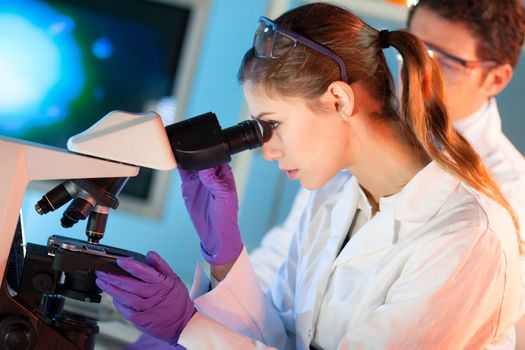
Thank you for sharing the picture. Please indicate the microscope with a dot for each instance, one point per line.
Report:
(37, 279)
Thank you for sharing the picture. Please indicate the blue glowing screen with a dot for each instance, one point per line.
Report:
(64, 64)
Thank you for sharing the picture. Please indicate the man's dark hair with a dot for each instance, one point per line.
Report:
(498, 26)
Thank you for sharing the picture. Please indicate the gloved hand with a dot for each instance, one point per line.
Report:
(156, 300)
(147, 342)
(211, 200)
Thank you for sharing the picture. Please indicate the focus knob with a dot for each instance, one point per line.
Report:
(16, 333)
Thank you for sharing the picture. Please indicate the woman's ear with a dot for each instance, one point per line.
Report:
(341, 98)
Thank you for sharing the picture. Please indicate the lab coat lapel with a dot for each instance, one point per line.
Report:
(313, 280)
(419, 200)
(342, 216)
(377, 234)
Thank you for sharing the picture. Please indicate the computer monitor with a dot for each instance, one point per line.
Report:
(67, 63)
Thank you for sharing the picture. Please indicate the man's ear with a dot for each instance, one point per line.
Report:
(342, 98)
(497, 79)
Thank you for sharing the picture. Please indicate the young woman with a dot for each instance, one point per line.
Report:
(478, 44)
(418, 250)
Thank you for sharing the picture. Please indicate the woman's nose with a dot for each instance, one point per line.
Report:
(270, 152)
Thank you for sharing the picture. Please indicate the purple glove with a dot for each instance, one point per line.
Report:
(211, 200)
(146, 342)
(156, 300)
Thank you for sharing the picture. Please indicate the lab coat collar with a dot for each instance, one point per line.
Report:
(416, 204)
(482, 128)
(468, 122)
(424, 195)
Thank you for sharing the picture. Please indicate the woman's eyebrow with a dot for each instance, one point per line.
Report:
(263, 114)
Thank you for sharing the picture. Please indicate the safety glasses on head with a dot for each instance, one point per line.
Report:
(273, 41)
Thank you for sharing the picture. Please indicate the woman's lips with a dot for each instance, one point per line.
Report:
(293, 174)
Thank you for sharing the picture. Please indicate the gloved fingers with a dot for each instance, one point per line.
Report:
(154, 260)
(124, 310)
(191, 185)
(218, 179)
(145, 321)
(129, 299)
(163, 316)
(224, 171)
(140, 271)
(130, 284)
(186, 175)
(146, 341)
(119, 280)
(167, 326)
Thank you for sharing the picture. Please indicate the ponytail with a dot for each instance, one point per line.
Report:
(424, 115)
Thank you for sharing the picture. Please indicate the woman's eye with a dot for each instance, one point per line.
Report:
(273, 124)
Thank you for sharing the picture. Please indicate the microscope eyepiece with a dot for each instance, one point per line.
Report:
(200, 143)
(243, 136)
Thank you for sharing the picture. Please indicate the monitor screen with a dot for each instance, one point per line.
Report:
(67, 63)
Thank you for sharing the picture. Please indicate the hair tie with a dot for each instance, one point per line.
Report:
(384, 38)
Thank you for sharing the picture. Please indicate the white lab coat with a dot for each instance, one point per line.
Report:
(507, 165)
(505, 162)
(437, 269)
(270, 254)
(482, 129)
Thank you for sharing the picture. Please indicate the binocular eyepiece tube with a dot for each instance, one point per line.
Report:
(200, 143)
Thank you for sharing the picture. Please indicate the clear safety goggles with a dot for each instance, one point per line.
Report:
(453, 67)
(273, 41)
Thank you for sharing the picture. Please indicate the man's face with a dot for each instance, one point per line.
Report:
(463, 86)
